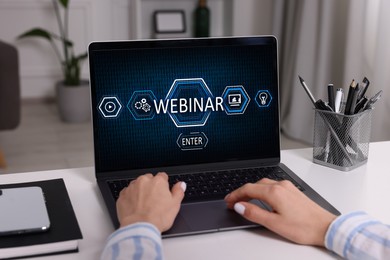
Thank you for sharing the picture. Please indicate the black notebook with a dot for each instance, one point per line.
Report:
(64, 232)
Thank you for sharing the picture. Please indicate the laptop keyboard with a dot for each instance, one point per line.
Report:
(214, 184)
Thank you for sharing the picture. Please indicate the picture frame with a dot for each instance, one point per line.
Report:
(169, 21)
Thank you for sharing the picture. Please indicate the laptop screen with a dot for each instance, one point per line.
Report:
(184, 102)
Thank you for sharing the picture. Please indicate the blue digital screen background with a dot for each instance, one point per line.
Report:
(123, 143)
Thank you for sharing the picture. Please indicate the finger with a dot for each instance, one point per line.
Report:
(144, 176)
(241, 193)
(288, 184)
(161, 178)
(251, 191)
(122, 195)
(178, 191)
(255, 214)
(122, 192)
(162, 175)
(266, 181)
(148, 175)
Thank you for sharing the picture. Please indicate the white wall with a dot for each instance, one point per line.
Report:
(89, 20)
(252, 17)
(92, 20)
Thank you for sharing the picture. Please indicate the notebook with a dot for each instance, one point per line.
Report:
(64, 233)
(206, 111)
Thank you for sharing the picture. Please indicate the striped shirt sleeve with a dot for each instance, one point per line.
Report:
(136, 241)
(358, 236)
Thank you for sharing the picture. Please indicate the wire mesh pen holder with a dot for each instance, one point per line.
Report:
(341, 141)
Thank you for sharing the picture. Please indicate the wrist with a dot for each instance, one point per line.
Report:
(136, 218)
(323, 229)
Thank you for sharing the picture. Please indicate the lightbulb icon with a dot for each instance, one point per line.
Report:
(263, 98)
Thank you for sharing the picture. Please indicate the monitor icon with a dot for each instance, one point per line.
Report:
(234, 100)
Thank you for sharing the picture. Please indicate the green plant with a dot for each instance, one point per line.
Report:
(70, 63)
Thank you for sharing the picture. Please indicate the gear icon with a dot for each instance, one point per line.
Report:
(146, 107)
(141, 105)
(138, 105)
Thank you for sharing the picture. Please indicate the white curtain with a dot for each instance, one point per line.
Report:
(331, 41)
(368, 53)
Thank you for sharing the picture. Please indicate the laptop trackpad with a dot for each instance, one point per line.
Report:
(213, 216)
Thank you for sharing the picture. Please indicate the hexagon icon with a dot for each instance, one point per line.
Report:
(110, 107)
(189, 89)
(141, 106)
(235, 100)
(192, 141)
(263, 98)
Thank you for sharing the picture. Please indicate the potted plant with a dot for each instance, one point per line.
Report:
(72, 92)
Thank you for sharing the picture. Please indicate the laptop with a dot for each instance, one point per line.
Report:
(205, 111)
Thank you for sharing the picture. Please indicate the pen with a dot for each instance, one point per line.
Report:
(331, 96)
(319, 104)
(354, 99)
(361, 103)
(338, 100)
(307, 90)
(351, 93)
(373, 100)
(364, 88)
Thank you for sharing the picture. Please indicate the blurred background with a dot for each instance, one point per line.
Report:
(324, 41)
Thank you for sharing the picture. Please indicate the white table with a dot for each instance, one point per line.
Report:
(365, 188)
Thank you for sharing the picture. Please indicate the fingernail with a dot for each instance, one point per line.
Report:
(183, 186)
(227, 196)
(239, 208)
